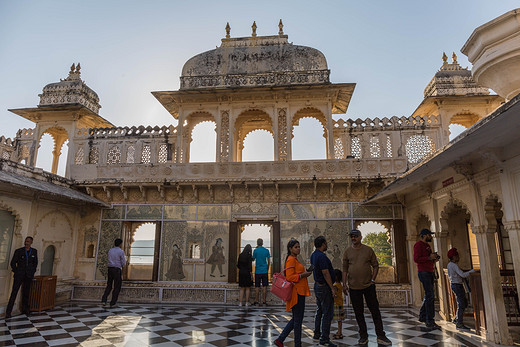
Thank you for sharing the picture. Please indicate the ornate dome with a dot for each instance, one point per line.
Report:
(255, 62)
(71, 90)
(452, 79)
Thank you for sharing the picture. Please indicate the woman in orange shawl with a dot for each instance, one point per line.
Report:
(296, 273)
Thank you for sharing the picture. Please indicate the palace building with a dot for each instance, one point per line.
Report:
(399, 173)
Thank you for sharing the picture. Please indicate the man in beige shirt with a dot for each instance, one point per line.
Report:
(360, 268)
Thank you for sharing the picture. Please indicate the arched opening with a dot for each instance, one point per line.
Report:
(456, 218)
(50, 150)
(7, 221)
(247, 122)
(44, 157)
(377, 236)
(455, 130)
(47, 266)
(460, 122)
(309, 135)
(251, 232)
(90, 251)
(203, 142)
(258, 145)
(142, 247)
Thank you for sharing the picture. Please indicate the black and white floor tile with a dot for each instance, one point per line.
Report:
(78, 324)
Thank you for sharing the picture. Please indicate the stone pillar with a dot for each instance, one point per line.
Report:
(513, 230)
(411, 239)
(223, 148)
(496, 322)
(441, 247)
(281, 138)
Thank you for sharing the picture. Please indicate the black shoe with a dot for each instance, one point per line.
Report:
(422, 320)
(8, 315)
(113, 306)
(328, 343)
(461, 326)
(433, 326)
(27, 313)
(384, 341)
(316, 337)
(362, 341)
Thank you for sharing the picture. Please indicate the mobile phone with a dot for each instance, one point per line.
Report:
(311, 268)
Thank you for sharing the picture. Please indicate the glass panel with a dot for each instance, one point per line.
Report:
(182, 212)
(332, 211)
(361, 211)
(109, 232)
(180, 238)
(297, 211)
(143, 212)
(214, 212)
(6, 237)
(335, 233)
(113, 213)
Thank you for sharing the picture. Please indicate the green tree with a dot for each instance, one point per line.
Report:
(381, 247)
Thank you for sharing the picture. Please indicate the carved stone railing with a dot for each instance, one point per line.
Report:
(126, 131)
(252, 171)
(392, 123)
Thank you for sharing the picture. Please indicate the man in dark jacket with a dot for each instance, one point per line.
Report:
(23, 264)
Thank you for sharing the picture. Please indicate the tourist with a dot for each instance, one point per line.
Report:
(339, 310)
(23, 264)
(245, 268)
(426, 259)
(116, 261)
(324, 290)
(456, 276)
(295, 272)
(262, 259)
(360, 269)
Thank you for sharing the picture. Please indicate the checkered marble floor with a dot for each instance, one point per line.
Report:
(200, 325)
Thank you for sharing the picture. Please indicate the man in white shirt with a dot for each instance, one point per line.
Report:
(456, 275)
(116, 261)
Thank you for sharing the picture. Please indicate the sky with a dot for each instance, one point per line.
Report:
(127, 49)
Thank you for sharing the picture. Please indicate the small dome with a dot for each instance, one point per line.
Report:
(255, 62)
(452, 79)
(71, 90)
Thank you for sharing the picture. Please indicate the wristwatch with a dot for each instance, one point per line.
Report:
(373, 281)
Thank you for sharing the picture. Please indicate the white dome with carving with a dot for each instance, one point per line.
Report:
(72, 90)
(255, 62)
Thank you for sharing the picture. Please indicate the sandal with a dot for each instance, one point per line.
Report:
(338, 336)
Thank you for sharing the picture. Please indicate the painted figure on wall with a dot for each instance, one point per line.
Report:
(175, 271)
(336, 257)
(217, 258)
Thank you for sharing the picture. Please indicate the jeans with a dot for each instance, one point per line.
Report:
(462, 302)
(356, 297)
(114, 276)
(295, 323)
(427, 313)
(324, 311)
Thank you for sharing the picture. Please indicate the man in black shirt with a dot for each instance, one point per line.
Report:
(23, 264)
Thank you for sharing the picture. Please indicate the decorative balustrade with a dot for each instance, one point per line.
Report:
(392, 123)
(127, 131)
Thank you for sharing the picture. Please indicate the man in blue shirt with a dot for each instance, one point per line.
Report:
(116, 261)
(324, 290)
(262, 259)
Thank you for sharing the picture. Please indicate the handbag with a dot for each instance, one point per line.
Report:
(281, 287)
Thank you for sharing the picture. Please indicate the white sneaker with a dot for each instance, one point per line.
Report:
(248, 304)
(239, 304)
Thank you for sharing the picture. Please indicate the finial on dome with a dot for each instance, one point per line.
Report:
(74, 73)
(254, 29)
(454, 57)
(444, 58)
(228, 30)
(280, 28)
(72, 68)
(78, 67)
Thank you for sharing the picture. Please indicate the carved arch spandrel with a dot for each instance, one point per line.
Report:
(466, 119)
(17, 218)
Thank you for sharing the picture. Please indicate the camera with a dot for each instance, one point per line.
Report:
(437, 256)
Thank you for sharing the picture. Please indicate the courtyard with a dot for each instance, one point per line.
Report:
(82, 324)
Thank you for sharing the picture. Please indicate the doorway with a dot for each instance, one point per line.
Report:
(248, 232)
(141, 248)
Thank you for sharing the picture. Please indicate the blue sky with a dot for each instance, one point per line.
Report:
(127, 49)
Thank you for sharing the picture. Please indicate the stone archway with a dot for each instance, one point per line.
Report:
(192, 121)
(59, 136)
(247, 122)
(456, 231)
(305, 114)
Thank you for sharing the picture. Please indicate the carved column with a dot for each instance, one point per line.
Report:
(441, 247)
(513, 230)
(496, 321)
(224, 145)
(282, 143)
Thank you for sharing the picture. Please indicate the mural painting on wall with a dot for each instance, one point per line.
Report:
(173, 241)
(216, 248)
(334, 231)
(6, 236)
(89, 238)
(110, 230)
(144, 212)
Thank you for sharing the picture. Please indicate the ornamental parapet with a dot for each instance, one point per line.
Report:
(251, 171)
(126, 131)
(392, 123)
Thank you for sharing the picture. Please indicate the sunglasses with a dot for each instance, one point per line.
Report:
(356, 236)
